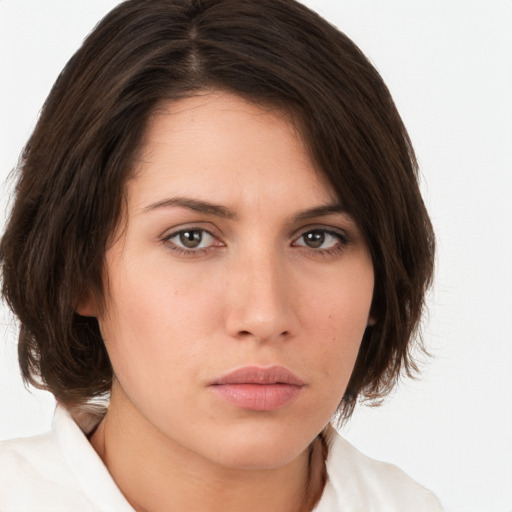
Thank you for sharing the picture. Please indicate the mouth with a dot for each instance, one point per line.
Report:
(258, 389)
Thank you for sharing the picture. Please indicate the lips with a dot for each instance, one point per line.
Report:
(258, 389)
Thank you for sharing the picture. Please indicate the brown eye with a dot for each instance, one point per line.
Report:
(321, 240)
(191, 238)
(191, 241)
(314, 239)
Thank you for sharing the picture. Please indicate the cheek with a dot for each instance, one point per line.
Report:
(158, 318)
(339, 314)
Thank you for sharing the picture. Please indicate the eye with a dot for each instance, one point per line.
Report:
(321, 240)
(190, 240)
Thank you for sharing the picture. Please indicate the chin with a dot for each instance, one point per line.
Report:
(260, 450)
(257, 459)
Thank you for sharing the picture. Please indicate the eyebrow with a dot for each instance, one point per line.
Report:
(223, 212)
(193, 204)
(320, 211)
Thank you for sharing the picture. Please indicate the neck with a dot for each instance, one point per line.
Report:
(156, 474)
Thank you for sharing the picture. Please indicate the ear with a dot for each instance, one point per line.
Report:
(88, 306)
(372, 315)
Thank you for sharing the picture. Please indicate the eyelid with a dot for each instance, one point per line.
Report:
(174, 234)
(166, 239)
(341, 239)
(207, 227)
(335, 231)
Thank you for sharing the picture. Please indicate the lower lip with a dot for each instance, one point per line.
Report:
(258, 397)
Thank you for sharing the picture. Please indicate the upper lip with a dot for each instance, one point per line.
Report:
(259, 375)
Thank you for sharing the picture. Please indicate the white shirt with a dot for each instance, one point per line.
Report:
(61, 472)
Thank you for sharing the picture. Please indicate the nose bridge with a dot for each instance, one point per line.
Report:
(260, 295)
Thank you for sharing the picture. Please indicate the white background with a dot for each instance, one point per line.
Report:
(448, 64)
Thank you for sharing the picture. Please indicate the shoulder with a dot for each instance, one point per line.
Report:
(371, 485)
(34, 476)
(56, 472)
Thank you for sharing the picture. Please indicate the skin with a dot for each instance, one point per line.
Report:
(271, 283)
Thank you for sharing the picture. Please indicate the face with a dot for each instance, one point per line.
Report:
(239, 289)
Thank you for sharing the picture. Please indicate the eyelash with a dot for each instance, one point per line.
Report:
(342, 240)
(183, 251)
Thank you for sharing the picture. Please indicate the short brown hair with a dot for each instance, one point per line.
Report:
(74, 168)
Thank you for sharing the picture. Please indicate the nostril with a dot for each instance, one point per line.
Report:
(245, 334)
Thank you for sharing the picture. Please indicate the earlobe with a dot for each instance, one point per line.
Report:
(87, 306)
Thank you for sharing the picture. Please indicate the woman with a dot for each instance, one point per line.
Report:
(217, 228)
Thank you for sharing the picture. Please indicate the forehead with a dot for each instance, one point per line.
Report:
(218, 145)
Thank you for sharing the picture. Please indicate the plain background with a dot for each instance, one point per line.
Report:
(448, 64)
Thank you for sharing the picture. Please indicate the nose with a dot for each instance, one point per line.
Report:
(260, 299)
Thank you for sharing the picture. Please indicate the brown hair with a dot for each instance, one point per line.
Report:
(73, 170)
